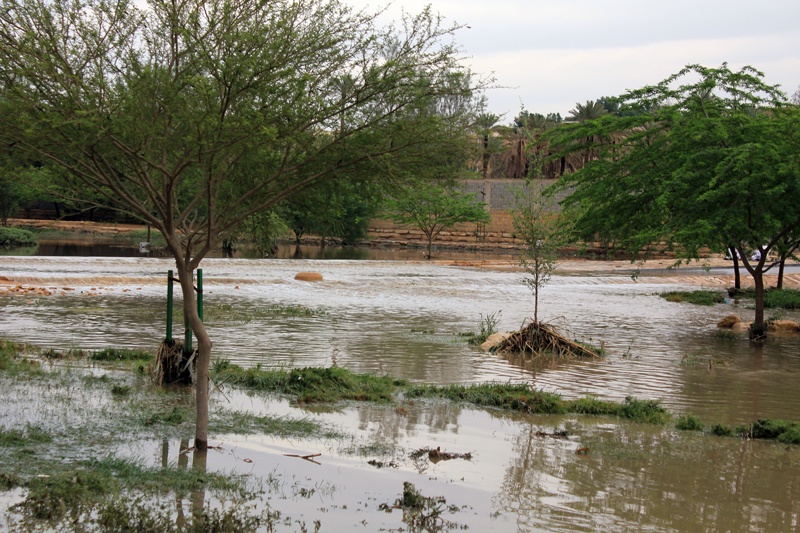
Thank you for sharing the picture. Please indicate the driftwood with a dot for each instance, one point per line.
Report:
(173, 365)
(538, 338)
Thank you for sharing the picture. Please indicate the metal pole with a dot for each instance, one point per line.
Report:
(169, 306)
(200, 293)
(187, 341)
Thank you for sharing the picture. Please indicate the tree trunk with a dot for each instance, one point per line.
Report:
(202, 359)
(737, 278)
(781, 266)
(430, 245)
(757, 330)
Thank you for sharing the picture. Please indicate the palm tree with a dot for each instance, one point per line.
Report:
(485, 123)
(591, 110)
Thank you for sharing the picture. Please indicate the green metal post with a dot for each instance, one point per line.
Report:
(169, 306)
(200, 293)
(187, 341)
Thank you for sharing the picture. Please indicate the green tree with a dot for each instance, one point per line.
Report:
(195, 115)
(591, 110)
(432, 208)
(712, 159)
(536, 223)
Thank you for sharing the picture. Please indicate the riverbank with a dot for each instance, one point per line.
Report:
(498, 253)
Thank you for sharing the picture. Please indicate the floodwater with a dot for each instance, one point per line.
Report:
(403, 318)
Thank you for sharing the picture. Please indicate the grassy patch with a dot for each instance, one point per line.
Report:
(780, 430)
(31, 434)
(11, 360)
(520, 397)
(775, 298)
(239, 422)
(17, 237)
(688, 423)
(310, 384)
(694, 297)
(79, 488)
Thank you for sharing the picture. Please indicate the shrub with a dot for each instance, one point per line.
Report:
(688, 423)
(17, 237)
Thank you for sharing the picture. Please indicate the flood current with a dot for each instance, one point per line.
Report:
(407, 319)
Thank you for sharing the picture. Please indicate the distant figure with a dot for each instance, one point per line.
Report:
(756, 255)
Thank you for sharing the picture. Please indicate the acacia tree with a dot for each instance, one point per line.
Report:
(707, 158)
(432, 208)
(194, 114)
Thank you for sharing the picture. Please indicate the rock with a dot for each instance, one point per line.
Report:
(308, 276)
(784, 326)
(729, 321)
(493, 340)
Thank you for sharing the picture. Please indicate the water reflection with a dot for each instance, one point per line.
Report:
(650, 479)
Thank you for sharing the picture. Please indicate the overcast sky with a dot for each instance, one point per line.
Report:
(550, 54)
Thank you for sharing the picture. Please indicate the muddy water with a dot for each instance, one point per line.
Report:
(404, 319)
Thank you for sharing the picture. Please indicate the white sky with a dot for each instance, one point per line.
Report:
(550, 54)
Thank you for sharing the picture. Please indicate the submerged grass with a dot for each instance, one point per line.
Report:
(115, 354)
(701, 297)
(520, 397)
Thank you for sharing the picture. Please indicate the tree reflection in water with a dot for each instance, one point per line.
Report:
(649, 477)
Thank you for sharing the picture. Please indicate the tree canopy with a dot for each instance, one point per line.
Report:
(707, 158)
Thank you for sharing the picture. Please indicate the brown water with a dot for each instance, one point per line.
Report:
(403, 319)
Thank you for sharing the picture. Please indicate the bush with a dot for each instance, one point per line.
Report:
(688, 423)
(17, 237)
(721, 430)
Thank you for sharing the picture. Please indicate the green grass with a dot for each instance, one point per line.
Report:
(12, 361)
(520, 397)
(694, 297)
(688, 423)
(776, 298)
(310, 384)
(783, 431)
(31, 435)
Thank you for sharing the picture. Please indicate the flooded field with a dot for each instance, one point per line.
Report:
(405, 319)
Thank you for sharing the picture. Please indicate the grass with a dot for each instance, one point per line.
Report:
(694, 297)
(12, 360)
(776, 298)
(31, 435)
(310, 385)
(520, 397)
(688, 422)
(487, 327)
(114, 354)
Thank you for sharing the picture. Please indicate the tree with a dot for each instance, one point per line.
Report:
(194, 115)
(711, 161)
(591, 110)
(432, 208)
(536, 223)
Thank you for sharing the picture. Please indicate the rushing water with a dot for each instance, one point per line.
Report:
(404, 319)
